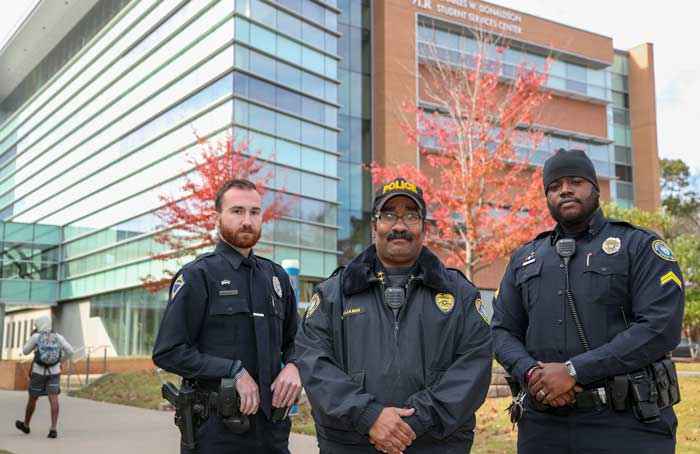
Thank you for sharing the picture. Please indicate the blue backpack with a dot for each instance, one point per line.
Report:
(48, 350)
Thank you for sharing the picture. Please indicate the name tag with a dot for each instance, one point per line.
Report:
(233, 292)
(353, 311)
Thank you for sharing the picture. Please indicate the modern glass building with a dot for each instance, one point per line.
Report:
(103, 121)
(102, 103)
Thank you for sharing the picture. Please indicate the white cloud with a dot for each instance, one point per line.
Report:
(672, 27)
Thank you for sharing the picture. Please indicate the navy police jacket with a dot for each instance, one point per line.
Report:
(226, 312)
(629, 295)
(434, 357)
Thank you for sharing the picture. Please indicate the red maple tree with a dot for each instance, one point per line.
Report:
(475, 132)
(188, 219)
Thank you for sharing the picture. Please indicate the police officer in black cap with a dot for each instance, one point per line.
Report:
(393, 352)
(584, 319)
(232, 318)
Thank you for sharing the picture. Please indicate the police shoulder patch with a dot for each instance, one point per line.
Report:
(661, 249)
(177, 285)
(313, 306)
(481, 309)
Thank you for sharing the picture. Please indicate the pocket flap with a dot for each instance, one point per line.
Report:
(608, 266)
(527, 272)
(229, 306)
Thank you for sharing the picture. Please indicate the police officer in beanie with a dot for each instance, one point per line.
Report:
(584, 319)
(394, 353)
(230, 322)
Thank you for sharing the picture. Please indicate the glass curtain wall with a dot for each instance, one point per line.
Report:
(619, 112)
(356, 131)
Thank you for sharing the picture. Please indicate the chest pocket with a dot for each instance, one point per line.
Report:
(229, 306)
(528, 280)
(606, 280)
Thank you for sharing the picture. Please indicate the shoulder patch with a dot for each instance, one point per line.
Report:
(661, 249)
(313, 306)
(177, 285)
(481, 309)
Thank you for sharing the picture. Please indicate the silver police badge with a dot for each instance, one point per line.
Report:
(277, 286)
(611, 245)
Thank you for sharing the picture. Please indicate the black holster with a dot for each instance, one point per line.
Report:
(183, 400)
(228, 407)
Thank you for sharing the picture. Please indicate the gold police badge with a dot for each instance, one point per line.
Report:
(611, 245)
(445, 302)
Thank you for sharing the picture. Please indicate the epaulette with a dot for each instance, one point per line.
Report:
(544, 234)
(462, 274)
(203, 256)
(633, 226)
(335, 272)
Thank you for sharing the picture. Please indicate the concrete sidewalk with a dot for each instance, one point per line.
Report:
(86, 426)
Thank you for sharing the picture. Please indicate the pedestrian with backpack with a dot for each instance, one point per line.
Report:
(48, 348)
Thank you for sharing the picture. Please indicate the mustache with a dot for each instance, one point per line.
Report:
(405, 235)
(571, 199)
(246, 229)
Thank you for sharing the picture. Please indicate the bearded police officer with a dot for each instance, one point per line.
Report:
(393, 352)
(229, 332)
(583, 320)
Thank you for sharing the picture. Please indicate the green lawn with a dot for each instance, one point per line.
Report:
(138, 389)
(494, 432)
(690, 367)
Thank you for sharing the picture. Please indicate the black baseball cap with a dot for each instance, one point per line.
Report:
(399, 186)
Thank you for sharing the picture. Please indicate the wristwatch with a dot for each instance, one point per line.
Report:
(570, 369)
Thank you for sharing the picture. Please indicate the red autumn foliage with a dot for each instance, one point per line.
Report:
(189, 218)
(484, 195)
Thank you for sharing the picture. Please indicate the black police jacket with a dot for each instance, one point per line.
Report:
(629, 295)
(357, 359)
(226, 312)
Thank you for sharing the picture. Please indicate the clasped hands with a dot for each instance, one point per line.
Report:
(551, 384)
(390, 433)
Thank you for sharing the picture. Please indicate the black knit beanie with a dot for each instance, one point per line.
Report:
(571, 163)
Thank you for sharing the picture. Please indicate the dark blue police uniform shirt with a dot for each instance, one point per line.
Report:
(225, 308)
(629, 294)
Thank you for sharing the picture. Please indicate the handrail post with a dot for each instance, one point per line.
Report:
(87, 369)
(104, 361)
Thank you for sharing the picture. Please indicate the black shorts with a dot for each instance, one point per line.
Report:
(42, 385)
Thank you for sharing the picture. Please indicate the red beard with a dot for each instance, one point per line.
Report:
(243, 238)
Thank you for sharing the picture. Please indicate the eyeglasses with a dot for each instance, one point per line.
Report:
(410, 218)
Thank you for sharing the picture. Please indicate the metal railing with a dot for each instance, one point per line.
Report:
(88, 353)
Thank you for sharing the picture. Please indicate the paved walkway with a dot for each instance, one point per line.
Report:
(91, 427)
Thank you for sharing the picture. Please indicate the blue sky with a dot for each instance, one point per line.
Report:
(672, 26)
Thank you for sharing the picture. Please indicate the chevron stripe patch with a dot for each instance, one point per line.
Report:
(671, 277)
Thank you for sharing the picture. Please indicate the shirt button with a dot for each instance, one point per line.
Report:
(560, 292)
(561, 265)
